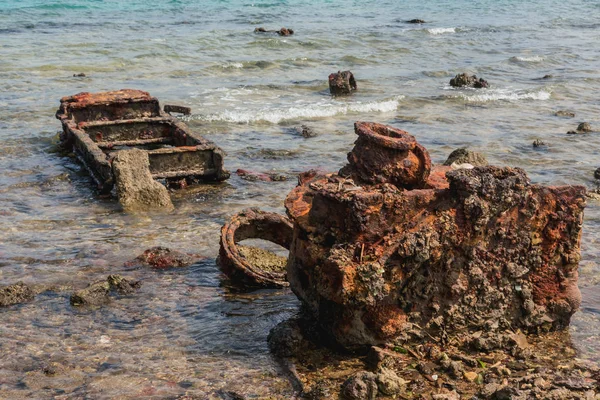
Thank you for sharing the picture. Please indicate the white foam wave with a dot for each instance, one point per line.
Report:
(235, 65)
(441, 31)
(505, 95)
(532, 59)
(319, 110)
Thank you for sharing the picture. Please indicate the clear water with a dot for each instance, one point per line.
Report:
(183, 332)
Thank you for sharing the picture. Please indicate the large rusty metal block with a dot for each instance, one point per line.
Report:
(466, 250)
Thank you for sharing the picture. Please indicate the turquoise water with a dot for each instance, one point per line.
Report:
(183, 332)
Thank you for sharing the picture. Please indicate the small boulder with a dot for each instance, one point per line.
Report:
(286, 339)
(15, 294)
(597, 173)
(285, 32)
(360, 386)
(95, 294)
(584, 127)
(260, 30)
(538, 143)
(307, 131)
(98, 293)
(342, 83)
(163, 257)
(79, 75)
(415, 21)
(564, 113)
(136, 189)
(464, 80)
(465, 156)
(389, 383)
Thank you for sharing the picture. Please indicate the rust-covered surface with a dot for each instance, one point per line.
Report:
(98, 125)
(253, 224)
(464, 250)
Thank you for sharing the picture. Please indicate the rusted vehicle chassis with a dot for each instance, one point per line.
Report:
(97, 125)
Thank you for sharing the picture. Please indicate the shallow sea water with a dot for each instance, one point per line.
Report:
(184, 332)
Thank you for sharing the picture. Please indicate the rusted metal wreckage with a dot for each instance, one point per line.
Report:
(390, 246)
(99, 125)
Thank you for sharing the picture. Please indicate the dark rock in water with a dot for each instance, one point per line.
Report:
(95, 294)
(79, 75)
(260, 176)
(307, 131)
(597, 173)
(465, 156)
(15, 294)
(584, 127)
(98, 293)
(253, 176)
(464, 80)
(285, 32)
(548, 76)
(415, 21)
(538, 143)
(573, 133)
(342, 83)
(260, 30)
(122, 285)
(360, 386)
(564, 113)
(286, 339)
(163, 257)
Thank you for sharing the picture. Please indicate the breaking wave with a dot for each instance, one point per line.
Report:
(505, 95)
(441, 31)
(530, 59)
(318, 110)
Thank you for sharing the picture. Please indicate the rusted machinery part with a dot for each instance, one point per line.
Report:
(253, 224)
(171, 108)
(383, 154)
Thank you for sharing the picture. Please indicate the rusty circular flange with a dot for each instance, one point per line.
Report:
(253, 224)
(383, 154)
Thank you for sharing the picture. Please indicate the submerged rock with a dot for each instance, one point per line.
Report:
(163, 257)
(415, 21)
(465, 156)
(286, 339)
(15, 294)
(564, 113)
(342, 83)
(285, 32)
(95, 294)
(136, 188)
(584, 127)
(476, 249)
(307, 132)
(464, 80)
(538, 143)
(98, 293)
